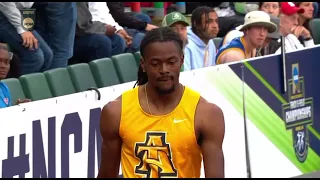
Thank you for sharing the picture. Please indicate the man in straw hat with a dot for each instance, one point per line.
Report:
(257, 25)
(272, 42)
(270, 46)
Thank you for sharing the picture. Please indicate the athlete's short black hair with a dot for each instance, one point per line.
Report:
(162, 34)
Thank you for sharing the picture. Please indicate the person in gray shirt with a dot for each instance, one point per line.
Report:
(35, 54)
(94, 39)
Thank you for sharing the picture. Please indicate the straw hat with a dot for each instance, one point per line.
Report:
(258, 18)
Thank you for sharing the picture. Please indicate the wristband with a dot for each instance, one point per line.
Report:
(307, 39)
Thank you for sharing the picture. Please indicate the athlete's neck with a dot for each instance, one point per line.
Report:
(161, 101)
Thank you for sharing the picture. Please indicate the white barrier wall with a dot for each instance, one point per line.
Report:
(59, 137)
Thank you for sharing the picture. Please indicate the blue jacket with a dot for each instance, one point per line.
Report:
(195, 51)
(5, 98)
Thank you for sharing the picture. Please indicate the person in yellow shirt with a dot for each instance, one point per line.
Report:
(161, 128)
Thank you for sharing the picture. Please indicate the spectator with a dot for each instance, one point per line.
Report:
(100, 12)
(35, 55)
(200, 51)
(307, 15)
(269, 45)
(255, 28)
(56, 23)
(94, 39)
(138, 21)
(5, 58)
(272, 42)
(290, 29)
(272, 8)
(178, 23)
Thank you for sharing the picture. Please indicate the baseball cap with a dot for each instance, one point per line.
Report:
(289, 8)
(172, 18)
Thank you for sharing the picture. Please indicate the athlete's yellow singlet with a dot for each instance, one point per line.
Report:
(159, 146)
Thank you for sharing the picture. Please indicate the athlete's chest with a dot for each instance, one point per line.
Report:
(174, 132)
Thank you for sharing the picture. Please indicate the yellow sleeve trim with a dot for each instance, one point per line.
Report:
(226, 50)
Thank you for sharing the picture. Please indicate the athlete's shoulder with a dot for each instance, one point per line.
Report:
(190, 89)
(116, 105)
(112, 108)
(130, 90)
(110, 117)
(208, 109)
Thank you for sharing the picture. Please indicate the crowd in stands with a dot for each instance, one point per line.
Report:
(40, 36)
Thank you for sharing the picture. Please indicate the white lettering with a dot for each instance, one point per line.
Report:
(298, 114)
(297, 103)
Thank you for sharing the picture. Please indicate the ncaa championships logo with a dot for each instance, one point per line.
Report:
(298, 114)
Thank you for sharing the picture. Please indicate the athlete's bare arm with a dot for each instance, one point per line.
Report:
(232, 56)
(111, 141)
(211, 129)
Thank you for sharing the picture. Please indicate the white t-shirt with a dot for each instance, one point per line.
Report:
(231, 35)
(100, 12)
(292, 43)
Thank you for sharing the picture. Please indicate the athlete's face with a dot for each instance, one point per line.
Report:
(162, 62)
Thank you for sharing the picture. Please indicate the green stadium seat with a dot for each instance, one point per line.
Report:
(59, 82)
(104, 72)
(314, 26)
(35, 86)
(126, 67)
(81, 77)
(137, 56)
(16, 90)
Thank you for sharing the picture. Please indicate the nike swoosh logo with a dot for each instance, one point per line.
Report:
(179, 121)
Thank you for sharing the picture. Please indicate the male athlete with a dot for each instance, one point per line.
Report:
(161, 129)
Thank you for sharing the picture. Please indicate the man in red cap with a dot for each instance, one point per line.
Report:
(291, 30)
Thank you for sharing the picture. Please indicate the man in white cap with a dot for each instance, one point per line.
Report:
(256, 27)
(290, 29)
